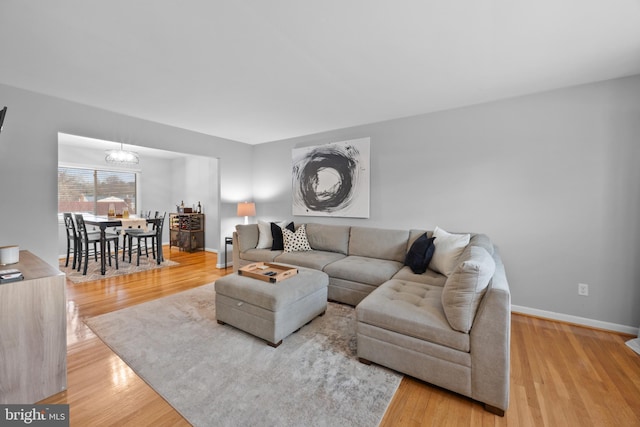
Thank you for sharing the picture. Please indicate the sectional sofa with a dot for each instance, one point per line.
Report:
(448, 326)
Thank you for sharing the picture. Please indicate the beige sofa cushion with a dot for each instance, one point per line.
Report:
(259, 255)
(379, 243)
(465, 287)
(429, 277)
(371, 271)
(247, 236)
(332, 238)
(412, 309)
(310, 259)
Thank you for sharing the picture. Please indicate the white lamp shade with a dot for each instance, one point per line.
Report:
(246, 209)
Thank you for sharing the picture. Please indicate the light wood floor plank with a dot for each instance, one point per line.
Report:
(561, 374)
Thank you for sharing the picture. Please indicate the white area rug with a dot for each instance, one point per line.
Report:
(217, 375)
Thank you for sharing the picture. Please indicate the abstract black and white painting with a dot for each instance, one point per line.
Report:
(332, 179)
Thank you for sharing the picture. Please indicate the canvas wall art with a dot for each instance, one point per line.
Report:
(332, 179)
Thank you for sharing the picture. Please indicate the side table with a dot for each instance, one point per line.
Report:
(227, 241)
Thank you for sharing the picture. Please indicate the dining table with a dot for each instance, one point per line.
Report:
(105, 222)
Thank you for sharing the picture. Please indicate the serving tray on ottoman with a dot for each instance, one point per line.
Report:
(268, 271)
(271, 312)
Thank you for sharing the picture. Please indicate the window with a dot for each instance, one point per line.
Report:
(93, 190)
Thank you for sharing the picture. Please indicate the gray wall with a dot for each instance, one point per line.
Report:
(29, 161)
(552, 178)
(196, 180)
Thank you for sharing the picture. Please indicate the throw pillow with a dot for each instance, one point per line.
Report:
(265, 236)
(296, 242)
(420, 254)
(466, 286)
(448, 247)
(276, 234)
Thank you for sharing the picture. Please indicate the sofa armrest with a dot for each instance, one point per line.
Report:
(490, 342)
(236, 252)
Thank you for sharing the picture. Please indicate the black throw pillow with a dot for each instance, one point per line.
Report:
(276, 233)
(420, 254)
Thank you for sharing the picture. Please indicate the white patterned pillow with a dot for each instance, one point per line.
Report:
(296, 242)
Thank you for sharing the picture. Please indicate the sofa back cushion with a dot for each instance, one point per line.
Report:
(379, 243)
(483, 241)
(331, 238)
(466, 286)
(247, 236)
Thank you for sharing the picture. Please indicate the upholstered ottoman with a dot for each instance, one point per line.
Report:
(271, 311)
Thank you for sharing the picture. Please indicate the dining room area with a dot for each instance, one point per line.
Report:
(114, 214)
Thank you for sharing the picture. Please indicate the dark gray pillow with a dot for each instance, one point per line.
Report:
(420, 254)
(276, 233)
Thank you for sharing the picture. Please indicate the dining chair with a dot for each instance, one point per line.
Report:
(85, 239)
(155, 234)
(72, 239)
(129, 233)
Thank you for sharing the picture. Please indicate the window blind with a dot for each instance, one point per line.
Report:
(93, 190)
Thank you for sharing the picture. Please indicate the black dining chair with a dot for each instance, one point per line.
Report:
(155, 234)
(72, 239)
(129, 233)
(86, 239)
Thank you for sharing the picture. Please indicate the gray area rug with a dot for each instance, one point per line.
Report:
(217, 375)
(93, 270)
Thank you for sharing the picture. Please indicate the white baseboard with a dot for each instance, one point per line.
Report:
(575, 319)
(220, 264)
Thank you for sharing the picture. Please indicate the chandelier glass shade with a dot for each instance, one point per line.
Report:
(122, 157)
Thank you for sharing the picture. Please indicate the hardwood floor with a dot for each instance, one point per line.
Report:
(561, 375)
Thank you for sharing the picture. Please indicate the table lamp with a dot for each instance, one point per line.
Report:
(246, 210)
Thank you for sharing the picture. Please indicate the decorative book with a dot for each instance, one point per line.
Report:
(11, 275)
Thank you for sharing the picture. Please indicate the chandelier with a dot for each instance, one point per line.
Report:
(122, 157)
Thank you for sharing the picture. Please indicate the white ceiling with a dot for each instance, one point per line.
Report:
(257, 71)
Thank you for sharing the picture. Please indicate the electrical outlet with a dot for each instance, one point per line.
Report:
(583, 289)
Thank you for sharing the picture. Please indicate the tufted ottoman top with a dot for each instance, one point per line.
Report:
(413, 309)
